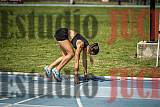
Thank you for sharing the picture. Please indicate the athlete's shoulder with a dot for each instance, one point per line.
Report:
(79, 44)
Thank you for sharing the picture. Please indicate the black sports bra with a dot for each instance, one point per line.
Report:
(79, 37)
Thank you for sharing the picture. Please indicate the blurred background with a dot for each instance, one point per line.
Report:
(110, 2)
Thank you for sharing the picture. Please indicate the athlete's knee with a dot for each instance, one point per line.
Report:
(71, 54)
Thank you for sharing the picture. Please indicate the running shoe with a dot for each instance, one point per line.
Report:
(47, 72)
(57, 75)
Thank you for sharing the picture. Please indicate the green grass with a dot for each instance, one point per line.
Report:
(31, 55)
(88, 2)
(77, 2)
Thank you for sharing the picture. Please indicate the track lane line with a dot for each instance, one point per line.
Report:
(37, 97)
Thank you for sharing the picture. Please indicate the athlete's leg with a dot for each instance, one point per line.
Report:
(48, 69)
(57, 61)
(66, 47)
(69, 53)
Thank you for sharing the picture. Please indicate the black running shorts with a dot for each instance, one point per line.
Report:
(61, 34)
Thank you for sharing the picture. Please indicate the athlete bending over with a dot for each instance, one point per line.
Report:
(67, 40)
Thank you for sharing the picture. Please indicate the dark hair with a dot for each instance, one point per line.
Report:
(94, 48)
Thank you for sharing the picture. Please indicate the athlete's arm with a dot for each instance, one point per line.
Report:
(77, 56)
(84, 60)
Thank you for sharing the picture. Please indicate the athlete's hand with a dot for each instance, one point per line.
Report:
(86, 77)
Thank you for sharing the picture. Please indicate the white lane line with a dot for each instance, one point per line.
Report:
(35, 97)
(71, 76)
(79, 102)
(29, 105)
(3, 99)
(131, 78)
(78, 95)
(25, 100)
(78, 98)
(19, 73)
